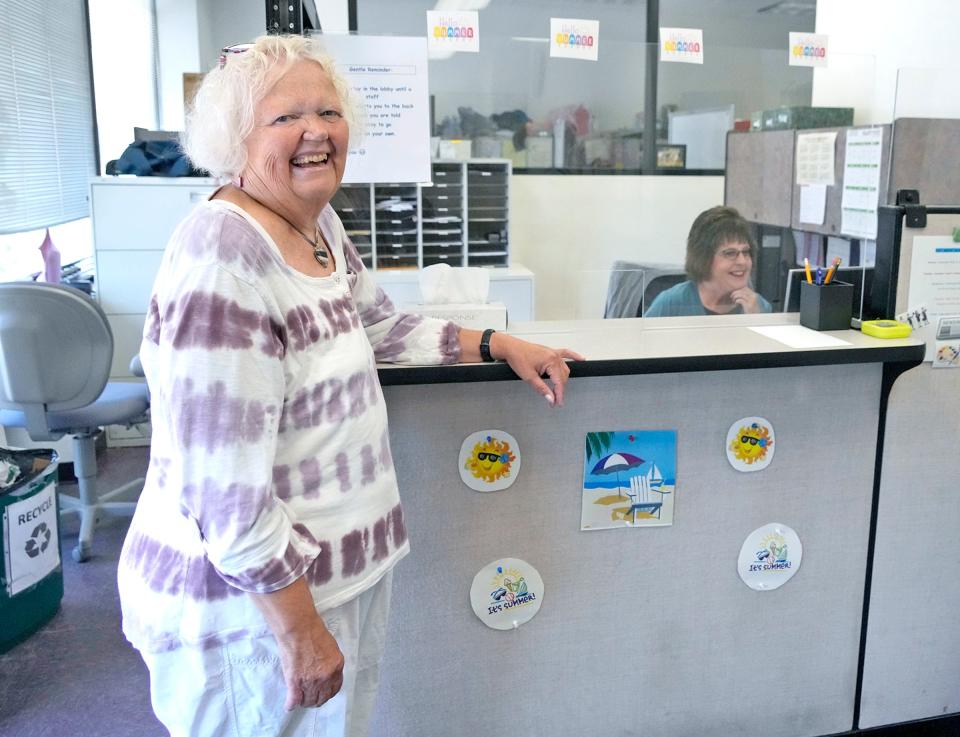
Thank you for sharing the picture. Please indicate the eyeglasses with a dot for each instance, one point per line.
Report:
(235, 49)
(730, 254)
(488, 456)
(747, 439)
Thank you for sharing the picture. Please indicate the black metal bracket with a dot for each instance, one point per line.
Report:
(915, 214)
(284, 16)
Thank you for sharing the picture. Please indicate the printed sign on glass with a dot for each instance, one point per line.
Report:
(572, 38)
(452, 31)
(681, 44)
(808, 49)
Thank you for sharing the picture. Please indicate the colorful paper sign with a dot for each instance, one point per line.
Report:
(629, 479)
(681, 44)
(452, 31)
(808, 50)
(770, 557)
(750, 444)
(506, 593)
(573, 38)
(489, 460)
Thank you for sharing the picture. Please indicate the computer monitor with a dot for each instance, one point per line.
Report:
(860, 276)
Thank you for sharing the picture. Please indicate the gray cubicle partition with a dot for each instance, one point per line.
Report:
(912, 659)
(924, 158)
(642, 631)
(759, 175)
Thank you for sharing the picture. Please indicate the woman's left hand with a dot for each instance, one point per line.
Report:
(746, 298)
(530, 361)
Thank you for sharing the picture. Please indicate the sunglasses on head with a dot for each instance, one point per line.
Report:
(235, 49)
(488, 456)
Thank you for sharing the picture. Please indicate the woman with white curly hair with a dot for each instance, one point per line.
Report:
(255, 578)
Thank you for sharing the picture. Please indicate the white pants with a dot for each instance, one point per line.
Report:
(237, 689)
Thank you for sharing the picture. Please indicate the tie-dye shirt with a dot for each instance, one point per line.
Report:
(270, 458)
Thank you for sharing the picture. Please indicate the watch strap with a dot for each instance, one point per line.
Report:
(485, 345)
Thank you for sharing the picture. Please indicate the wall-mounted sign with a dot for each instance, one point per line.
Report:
(750, 444)
(506, 593)
(489, 460)
(770, 557)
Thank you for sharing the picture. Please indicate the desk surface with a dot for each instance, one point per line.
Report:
(674, 344)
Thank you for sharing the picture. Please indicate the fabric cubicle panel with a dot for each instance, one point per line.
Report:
(641, 631)
(912, 660)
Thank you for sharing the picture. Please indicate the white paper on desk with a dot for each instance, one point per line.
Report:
(861, 182)
(815, 158)
(797, 336)
(813, 203)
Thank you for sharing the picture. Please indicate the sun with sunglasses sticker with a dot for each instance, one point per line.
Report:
(489, 460)
(750, 444)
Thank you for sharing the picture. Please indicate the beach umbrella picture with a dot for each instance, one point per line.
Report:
(617, 463)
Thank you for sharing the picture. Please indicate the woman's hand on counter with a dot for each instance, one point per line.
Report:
(529, 361)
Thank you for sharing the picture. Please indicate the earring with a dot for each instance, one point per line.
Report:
(241, 181)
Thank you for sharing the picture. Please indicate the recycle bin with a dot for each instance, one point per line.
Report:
(31, 578)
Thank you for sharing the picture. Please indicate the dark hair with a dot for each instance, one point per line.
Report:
(712, 229)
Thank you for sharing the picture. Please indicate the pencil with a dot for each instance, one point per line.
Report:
(806, 266)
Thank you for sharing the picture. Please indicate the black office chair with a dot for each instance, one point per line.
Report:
(633, 285)
(659, 284)
(56, 348)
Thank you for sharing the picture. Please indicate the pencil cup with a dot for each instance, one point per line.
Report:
(827, 307)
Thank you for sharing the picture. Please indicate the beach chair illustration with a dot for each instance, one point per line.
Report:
(642, 491)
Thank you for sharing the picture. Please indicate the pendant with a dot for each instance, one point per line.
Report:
(320, 254)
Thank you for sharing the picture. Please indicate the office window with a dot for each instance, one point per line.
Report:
(512, 100)
(46, 118)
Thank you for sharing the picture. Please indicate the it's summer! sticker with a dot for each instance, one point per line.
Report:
(750, 444)
(489, 460)
(770, 557)
(506, 593)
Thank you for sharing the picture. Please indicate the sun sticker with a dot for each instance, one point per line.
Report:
(750, 444)
(489, 460)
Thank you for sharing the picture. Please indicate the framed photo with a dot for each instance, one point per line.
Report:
(671, 156)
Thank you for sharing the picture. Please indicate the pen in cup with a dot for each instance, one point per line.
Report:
(819, 277)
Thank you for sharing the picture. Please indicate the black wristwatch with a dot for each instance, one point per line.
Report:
(485, 345)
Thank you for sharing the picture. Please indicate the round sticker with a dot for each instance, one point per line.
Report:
(750, 444)
(770, 556)
(489, 460)
(506, 593)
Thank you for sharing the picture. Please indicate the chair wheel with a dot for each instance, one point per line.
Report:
(80, 553)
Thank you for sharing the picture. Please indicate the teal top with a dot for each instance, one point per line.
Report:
(683, 300)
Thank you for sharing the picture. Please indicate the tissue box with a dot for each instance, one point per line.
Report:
(473, 316)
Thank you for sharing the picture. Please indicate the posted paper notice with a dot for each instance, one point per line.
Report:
(808, 50)
(861, 182)
(813, 204)
(815, 158)
(452, 31)
(934, 281)
(571, 38)
(681, 44)
(389, 75)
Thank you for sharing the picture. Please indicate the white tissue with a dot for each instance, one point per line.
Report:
(442, 284)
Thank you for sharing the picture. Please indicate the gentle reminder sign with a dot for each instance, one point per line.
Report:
(571, 38)
(808, 50)
(33, 549)
(681, 44)
(389, 76)
(451, 31)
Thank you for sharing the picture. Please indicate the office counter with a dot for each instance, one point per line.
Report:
(642, 631)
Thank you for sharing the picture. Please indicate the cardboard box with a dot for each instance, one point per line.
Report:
(473, 316)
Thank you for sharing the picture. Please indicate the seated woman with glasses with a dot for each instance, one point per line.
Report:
(719, 263)
(255, 577)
